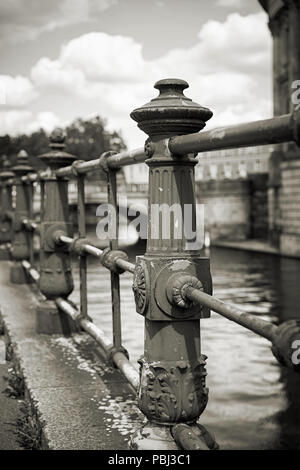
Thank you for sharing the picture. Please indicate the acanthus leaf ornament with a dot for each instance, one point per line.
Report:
(173, 392)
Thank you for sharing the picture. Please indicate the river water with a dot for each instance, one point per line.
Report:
(253, 402)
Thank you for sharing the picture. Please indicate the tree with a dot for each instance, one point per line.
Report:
(86, 139)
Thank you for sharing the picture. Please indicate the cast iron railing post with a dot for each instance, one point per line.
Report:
(30, 191)
(55, 264)
(172, 371)
(20, 242)
(6, 233)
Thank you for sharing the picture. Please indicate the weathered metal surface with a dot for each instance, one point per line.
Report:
(55, 268)
(172, 387)
(171, 112)
(173, 391)
(112, 260)
(153, 436)
(117, 160)
(21, 242)
(33, 273)
(6, 232)
(82, 234)
(31, 177)
(285, 337)
(107, 259)
(279, 129)
(172, 283)
(285, 342)
(130, 157)
(30, 193)
(195, 437)
(257, 325)
(270, 131)
(31, 226)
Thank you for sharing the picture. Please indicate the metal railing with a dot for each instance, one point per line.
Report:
(171, 283)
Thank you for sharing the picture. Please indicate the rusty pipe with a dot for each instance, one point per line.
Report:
(118, 160)
(285, 338)
(276, 130)
(258, 326)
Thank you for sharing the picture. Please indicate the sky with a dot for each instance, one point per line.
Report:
(64, 59)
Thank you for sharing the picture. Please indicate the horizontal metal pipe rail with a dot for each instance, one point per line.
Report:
(94, 251)
(285, 128)
(33, 273)
(257, 325)
(115, 161)
(31, 225)
(119, 358)
(269, 131)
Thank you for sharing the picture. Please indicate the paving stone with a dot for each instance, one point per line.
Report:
(88, 417)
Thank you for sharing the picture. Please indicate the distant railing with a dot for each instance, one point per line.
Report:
(171, 283)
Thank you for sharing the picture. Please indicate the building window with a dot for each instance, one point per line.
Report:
(213, 169)
(257, 166)
(199, 173)
(227, 170)
(242, 170)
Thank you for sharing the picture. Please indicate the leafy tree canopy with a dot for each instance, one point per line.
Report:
(85, 138)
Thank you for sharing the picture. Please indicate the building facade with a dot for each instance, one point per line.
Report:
(284, 170)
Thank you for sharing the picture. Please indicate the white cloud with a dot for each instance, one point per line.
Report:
(229, 71)
(22, 20)
(231, 46)
(46, 120)
(16, 122)
(104, 57)
(16, 91)
(53, 74)
(230, 3)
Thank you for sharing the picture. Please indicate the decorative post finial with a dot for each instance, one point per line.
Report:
(6, 172)
(57, 139)
(56, 157)
(171, 112)
(22, 166)
(5, 163)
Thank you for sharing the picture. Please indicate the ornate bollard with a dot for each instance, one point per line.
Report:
(172, 370)
(55, 265)
(20, 243)
(6, 232)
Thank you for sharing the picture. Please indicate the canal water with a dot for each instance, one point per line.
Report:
(253, 402)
